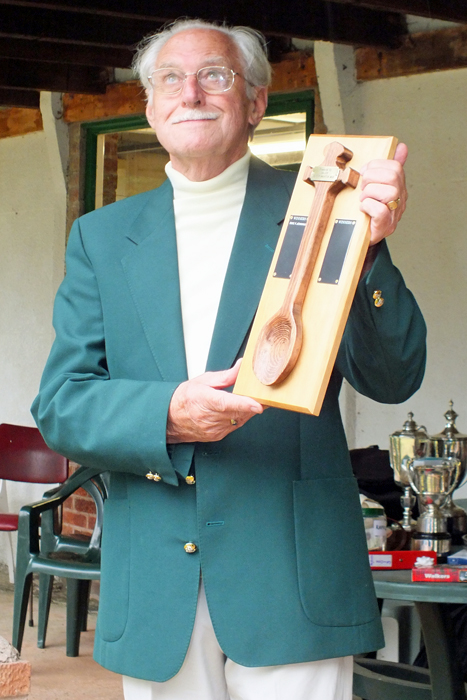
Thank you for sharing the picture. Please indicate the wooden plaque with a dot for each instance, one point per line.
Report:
(333, 281)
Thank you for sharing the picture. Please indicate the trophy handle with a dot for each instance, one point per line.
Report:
(457, 474)
(463, 477)
(408, 467)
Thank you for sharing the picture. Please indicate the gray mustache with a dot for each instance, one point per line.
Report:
(194, 115)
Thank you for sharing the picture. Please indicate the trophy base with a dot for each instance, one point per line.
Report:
(408, 525)
(439, 542)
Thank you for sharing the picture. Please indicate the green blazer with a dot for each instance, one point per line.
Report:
(274, 513)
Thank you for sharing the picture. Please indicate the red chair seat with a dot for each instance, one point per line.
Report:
(8, 522)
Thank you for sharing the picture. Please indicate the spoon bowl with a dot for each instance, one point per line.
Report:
(277, 349)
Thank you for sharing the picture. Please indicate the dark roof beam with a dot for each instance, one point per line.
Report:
(313, 19)
(453, 10)
(72, 28)
(448, 10)
(37, 50)
(336, 22)
(53, 77)
(140, 9)
(29, 99)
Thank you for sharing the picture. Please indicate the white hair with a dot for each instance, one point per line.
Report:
(251, 46)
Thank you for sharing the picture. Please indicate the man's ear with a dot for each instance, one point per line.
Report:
(150, 109)
(258, 106)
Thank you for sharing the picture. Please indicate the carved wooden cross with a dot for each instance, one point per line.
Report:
(280, 341)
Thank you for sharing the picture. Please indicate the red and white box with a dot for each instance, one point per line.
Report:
(384, 561)
(441, 574)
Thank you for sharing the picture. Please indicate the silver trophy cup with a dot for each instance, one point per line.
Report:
(412, 442)
(433, 480)
(451, 443)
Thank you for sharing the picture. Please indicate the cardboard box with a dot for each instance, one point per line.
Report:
(459, 558)
(441, 574)
(399, 559)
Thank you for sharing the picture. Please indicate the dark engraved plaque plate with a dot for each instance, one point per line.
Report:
(336, 251)
(290, 246)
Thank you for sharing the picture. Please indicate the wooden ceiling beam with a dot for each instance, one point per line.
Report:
(36, 50)
(451, 10)
(448, 10)
(140, 9)
(444, 49)
(53, 77)
(29, 99)
(72, 27)
(314, 19)
(337, 23)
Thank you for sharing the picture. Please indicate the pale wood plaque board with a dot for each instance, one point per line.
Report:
(328, 300)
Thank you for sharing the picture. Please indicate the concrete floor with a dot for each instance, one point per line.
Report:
(55, 676)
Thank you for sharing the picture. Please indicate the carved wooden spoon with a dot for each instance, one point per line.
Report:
(280, 341)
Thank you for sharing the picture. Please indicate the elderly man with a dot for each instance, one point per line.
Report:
(223, 573)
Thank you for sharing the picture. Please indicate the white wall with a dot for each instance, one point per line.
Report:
(430, 245)
(32, 244)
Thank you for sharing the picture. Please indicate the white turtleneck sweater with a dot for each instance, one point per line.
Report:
(206, 221)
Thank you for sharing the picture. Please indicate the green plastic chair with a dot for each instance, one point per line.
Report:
(41, 550)
(55, 545)
(384, 680)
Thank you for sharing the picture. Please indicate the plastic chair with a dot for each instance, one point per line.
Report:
(384, 680)
(54, 555)
(25, 457)
(55, 545)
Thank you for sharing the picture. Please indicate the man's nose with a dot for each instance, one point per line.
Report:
(192, 94)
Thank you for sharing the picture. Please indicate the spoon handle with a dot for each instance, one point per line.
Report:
(326, 192)
(279, 343)
(308, 251)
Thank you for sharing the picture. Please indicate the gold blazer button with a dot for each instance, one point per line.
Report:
(190, 480)
(378, 297)
(190, 548)
(153, 477)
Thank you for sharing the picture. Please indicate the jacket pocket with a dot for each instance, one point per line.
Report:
(115, 570)
(335, 582)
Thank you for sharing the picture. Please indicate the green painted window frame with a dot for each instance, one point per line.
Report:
(92, 130)
(302, 101)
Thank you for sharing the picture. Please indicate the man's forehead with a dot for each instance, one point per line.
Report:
(173, 59)
(206, 46)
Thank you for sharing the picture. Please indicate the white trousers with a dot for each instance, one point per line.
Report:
(206, 674)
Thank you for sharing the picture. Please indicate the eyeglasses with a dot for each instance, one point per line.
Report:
(212, 79)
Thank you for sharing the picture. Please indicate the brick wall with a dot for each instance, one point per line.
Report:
(76, 174)
(79, 512)
(109, 185)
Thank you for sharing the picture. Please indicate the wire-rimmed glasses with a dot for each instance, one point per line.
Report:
(211, 79)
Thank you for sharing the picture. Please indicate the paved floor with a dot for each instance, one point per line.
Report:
(54, 676)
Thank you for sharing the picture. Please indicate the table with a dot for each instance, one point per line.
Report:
(445, 679)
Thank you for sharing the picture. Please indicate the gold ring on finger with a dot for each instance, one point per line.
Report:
(233, 421)
(393, 204)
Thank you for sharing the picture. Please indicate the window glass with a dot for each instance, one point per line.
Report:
(125, 157)
(281, 140)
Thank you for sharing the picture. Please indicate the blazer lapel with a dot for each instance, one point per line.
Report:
(151, 270)
(266, 201)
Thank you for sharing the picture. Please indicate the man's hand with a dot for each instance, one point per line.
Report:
(383, 181)
(201, 412)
